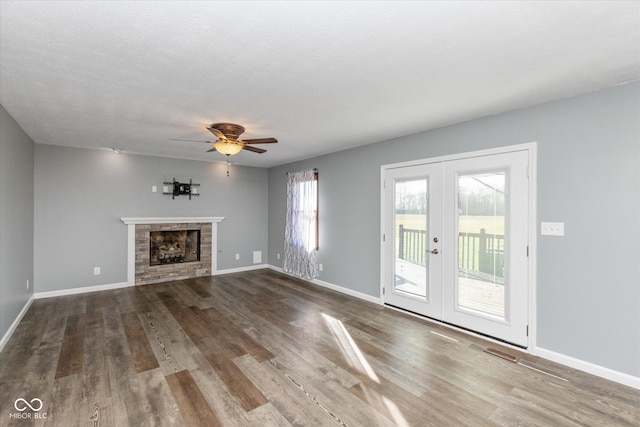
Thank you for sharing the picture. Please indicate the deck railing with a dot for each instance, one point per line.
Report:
(477, 252)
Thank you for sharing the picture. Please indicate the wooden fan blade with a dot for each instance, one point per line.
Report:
(189, 140)
(216, 132)
(213, 149)
(260, 141)
(254, 149)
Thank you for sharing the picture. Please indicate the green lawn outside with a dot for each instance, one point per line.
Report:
(468, 224)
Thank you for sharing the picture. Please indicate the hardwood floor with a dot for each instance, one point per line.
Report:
(262, 348)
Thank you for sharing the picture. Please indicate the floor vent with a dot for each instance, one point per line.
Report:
(502, 354)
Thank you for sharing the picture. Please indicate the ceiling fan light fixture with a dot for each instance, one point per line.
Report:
(227, 148)
(226, 140)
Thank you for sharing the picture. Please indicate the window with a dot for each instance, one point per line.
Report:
(301, 227)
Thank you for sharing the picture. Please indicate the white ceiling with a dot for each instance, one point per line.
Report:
(319, 76)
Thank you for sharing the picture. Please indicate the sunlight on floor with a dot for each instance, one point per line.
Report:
(394, 412)
(349, 348)
(356, 360)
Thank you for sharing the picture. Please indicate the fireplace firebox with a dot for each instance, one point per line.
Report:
(174, 246)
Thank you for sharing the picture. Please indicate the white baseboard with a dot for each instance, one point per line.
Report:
(333, 287)
(83, 290)
(588, 367)
(16, 322)
(347, 291)
(240, 269)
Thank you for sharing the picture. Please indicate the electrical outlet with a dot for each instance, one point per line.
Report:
(278, 255)
(27, 284)
(320, 267)
(96, 271)
(552, 228)
(237, 256)
(257, 257)
(154, 188)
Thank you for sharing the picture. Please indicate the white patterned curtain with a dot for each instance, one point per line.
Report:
(300, 246)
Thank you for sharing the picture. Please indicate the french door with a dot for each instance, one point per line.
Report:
(456, 242)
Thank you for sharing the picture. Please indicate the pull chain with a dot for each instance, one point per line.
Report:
(228, 165)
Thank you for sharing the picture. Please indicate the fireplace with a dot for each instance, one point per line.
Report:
(162, 249)
(173, 246)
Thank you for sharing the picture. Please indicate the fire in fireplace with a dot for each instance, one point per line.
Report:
(174, 246)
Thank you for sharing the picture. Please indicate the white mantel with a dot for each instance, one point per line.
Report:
(131, 237)
(171, 220)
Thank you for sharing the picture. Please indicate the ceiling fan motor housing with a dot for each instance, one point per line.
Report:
(230, 130)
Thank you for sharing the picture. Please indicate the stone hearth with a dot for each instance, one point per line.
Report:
(139, 272)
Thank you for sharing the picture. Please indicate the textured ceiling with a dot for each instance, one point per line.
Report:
(319, 76)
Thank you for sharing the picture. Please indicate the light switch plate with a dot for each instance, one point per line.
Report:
(552, 228)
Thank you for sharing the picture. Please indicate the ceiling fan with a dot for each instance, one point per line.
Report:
(227, 141)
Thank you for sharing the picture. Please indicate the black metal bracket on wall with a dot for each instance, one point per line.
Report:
(181, 188)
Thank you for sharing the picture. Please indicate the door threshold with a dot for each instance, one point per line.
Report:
(458, 328)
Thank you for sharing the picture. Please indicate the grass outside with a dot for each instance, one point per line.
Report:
(467, 224)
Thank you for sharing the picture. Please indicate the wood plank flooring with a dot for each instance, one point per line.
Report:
(261, 348)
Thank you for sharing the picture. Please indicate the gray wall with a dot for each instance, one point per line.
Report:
(16, 220)
(81, 194)
(588, 287)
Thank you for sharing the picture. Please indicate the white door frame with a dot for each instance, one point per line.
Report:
(531, 149)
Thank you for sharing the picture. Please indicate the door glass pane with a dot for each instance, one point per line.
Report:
(481, 237)
(410, 224)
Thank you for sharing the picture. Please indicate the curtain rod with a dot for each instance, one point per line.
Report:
(315, 170)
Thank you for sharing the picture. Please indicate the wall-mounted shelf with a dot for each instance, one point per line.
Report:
(182, 188)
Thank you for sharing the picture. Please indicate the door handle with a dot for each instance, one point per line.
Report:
(435, 251)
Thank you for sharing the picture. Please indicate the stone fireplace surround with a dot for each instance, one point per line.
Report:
(138, 270)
